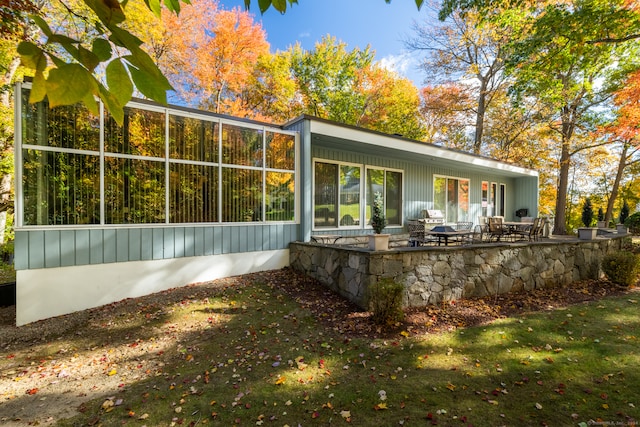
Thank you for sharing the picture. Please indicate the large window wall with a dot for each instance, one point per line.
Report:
(343, 196)
(162, 166)
(451, 196)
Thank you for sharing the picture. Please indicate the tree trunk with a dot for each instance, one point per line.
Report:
(559, 225)
(622, 164)
(482, 101)
(568, 123)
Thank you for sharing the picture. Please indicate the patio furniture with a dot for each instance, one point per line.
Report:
(417, 236)
(497, 229)
(531, 231)
(326, 238)
(446, 234)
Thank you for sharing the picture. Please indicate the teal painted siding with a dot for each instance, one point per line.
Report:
(65, 248)
(418, 184)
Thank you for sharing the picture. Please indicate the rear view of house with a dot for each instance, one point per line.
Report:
(176, 196)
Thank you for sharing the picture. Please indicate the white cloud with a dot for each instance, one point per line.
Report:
(398, 63)
(304, 35)
(405, 63)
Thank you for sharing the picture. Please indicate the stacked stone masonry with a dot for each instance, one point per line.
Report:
(433, 275)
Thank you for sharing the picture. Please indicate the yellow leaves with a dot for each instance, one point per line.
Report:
(112, 372)
(451, 387)
(380, 406)
(404, 334)
(280, 380)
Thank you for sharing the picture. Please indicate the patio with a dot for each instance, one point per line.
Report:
(432, 274)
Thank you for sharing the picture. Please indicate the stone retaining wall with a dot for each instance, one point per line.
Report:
(436, 274)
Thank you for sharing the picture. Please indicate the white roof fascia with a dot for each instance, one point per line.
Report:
(416, 147)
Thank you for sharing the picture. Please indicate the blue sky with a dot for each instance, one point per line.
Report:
(356, 22)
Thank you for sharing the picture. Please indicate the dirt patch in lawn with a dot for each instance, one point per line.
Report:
(48, 369)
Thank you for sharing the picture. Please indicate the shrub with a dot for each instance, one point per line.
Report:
(621, 268)
(624, 212)
(378, 220)
(587, 213)
(385, 301)
(633, 223)
(600, 214)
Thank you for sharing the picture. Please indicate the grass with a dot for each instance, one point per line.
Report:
(250, 355)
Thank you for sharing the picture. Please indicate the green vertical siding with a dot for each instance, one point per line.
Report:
(64, 248)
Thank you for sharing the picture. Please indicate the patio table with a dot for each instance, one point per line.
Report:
(447, 235)
(326, 238)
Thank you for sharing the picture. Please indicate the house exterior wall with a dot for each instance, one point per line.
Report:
(418, 184)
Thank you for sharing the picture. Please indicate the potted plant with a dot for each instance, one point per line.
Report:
(601, 222)
(378, 241)
(587, 232)
(624, 214)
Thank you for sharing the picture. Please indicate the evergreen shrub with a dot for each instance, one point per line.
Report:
(633, 223)
(621, 268)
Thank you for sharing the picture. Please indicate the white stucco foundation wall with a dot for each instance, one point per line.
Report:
(49, 292)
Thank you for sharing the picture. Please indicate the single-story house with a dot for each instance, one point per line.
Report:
(176, 196)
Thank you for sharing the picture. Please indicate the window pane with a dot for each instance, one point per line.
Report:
(134, 191)
(280, 151)
(193, 192)
(280, 203)
(393, 198)
(326, 195)
(193, 139)
(241, 195)
(485, 197)
(241, 146)
(375, 184)
(63, 127)
(463, 200)
(60, 188)
(349, 196)
(142, 133)
(440, 194)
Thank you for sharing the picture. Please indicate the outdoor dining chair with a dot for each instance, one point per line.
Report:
(497, 230)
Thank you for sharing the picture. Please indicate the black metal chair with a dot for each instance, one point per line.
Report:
(497, 230)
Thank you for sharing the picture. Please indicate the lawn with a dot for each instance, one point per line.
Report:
(249, 351)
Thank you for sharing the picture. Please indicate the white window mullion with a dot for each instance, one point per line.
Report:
(167, 202)
(102, 170)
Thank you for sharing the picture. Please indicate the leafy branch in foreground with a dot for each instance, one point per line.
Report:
(67, 70)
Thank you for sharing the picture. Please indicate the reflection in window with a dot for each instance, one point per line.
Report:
(241, 146)
(280, 152)
(61, 127)
(142, 133)
(241, 195)
(389, 185)
(193, 193)
(255, 181)
(451, 196)
(349, 195)
(134, 191)
(60, 188)
(325, 195)
(193, 139)
(280, 193)
(485, 198)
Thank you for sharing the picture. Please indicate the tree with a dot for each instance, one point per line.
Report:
(465, 49)
(211, 55)
(443, 110)
(73, 70)
(348, 87)
(624, 134)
